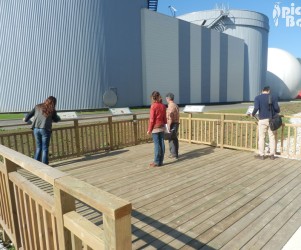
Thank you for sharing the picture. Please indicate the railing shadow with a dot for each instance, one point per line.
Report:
(191, 154)
(93, 156)
(197, 153)
(157, 243)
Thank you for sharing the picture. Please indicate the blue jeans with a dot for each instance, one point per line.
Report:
(42, 138)
(158, 139)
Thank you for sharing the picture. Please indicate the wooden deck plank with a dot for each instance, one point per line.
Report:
(280, 238)
(213, 220)
(192, 208)
(272, 194)
(192, 219)
(210, 198)
(268, 230)
(271, 207)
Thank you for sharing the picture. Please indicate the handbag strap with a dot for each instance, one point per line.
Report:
(270, 106)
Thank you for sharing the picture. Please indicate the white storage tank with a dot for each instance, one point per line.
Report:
(284, 74)
(253, 28)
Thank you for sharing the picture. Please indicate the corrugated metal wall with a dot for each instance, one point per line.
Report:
(198, 64)
(253, 28)
(72, 49)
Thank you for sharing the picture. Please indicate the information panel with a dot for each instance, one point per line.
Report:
(120, 111)
(194, 108)
(67, 115)
(250, 110)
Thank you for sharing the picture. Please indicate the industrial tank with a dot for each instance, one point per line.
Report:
(77, 51)
(284, 74)
(253, 28)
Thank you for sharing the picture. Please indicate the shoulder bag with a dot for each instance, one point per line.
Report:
(275, 120)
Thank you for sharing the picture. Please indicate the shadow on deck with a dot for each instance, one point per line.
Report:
(210, 198)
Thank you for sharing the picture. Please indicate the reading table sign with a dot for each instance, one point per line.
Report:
(67, 115)
(250, 110)
(120, 111)
(194, 108)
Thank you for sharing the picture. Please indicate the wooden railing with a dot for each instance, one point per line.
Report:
(38, 208)
(81, 136)
(35, 217)
(237, 131)
(219, 130)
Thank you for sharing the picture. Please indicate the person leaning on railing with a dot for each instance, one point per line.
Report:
(43, 115)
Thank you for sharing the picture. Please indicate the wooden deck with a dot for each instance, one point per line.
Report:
(210, 198)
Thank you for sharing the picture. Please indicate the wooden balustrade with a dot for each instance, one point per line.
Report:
(46, 218)
(35, 218)
(107, 133)
(82, 138)
(240, 133)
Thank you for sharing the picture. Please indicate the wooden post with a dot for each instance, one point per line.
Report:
(5, 236)
(282, 139)
(77, 139)
(76, 243)
(117, 232)
(222, 129)
(110, 119)
(64, 203)
(9, 168)
(190, 127)
(135, 124)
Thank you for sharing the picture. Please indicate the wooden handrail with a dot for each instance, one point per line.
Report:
(92, 196)
(20, 195)
(84, 230)
(33, 212)
(94, 117)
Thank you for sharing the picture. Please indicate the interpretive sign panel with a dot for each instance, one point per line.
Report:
(67, 115)
(194, 108)
(250, 110)
(120, 111)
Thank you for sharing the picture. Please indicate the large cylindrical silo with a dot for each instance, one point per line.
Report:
(253, 28)
(77, 51)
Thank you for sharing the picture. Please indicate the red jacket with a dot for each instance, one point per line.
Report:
(157, 116)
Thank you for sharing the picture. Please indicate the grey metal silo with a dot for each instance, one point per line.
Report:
(253, 28)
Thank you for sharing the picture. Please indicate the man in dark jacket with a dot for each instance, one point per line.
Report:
(267, 105)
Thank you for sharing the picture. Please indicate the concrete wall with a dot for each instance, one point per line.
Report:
(197, 64)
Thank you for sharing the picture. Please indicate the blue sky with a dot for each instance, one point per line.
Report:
(281, 36)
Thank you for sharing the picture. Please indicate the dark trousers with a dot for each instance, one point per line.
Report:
(173, 141)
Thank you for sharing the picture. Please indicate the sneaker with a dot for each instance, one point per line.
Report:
(173, 157)
(272, 157)
(260, 157)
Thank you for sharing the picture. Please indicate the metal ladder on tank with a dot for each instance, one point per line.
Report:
(215, 23)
